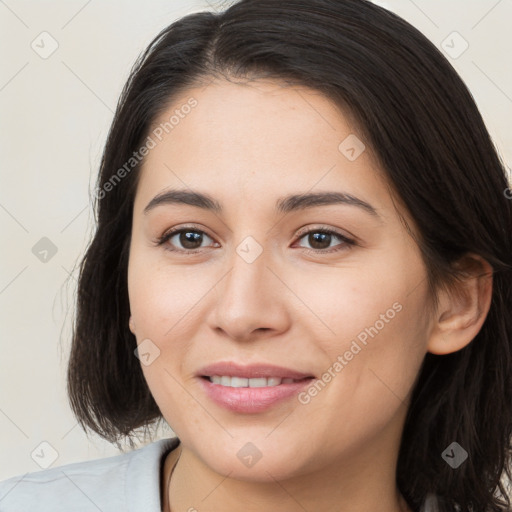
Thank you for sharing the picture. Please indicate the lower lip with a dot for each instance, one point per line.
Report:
(251, 400)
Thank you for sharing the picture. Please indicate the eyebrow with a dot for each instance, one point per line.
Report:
(293, 202)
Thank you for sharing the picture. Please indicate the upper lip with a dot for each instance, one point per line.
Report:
(233, 369)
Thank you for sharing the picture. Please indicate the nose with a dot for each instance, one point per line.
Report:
(251, 301)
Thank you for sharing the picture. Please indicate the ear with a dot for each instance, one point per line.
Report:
(463, 309)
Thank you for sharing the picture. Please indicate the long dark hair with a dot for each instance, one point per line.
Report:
(420, 120)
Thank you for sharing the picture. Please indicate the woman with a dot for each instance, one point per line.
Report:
(303, 264)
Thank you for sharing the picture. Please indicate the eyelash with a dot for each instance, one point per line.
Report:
(347, 242)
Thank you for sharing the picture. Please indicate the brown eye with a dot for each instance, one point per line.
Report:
(320, 240)
(184, 240)
(190, 239)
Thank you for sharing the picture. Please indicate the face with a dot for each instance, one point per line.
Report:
(331, 294)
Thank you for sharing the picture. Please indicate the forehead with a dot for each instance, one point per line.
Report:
(257, 115)
(257, 137)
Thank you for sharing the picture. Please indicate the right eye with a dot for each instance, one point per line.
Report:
(189, 238)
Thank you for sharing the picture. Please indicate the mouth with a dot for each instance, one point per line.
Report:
(229, 373)
(251, 389)
(245, 382)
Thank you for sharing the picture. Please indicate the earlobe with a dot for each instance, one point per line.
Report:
(463, 309)
(131, 325)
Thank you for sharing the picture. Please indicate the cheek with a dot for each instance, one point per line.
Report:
(162, 307)
(386, 294)
(165, 306)
(162, 297)
(371, 364)
(373, 329)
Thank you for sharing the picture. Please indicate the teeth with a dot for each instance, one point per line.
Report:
(241, 382)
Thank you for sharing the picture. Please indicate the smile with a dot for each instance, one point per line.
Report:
(241, 382)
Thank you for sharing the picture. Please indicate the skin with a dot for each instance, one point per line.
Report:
(246, 145)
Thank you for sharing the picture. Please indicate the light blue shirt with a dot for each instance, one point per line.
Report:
(129, 482)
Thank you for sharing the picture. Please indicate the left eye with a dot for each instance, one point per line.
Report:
(320, 239)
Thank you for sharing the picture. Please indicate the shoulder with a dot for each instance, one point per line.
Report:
(129, 481)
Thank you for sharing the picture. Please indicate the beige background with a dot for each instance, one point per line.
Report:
(55, 114)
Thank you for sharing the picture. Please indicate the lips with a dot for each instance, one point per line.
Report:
(253, 371)
(251, 389)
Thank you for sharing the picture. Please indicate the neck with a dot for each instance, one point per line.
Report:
(358, 488)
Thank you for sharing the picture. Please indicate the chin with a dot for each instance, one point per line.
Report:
(258, 461)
